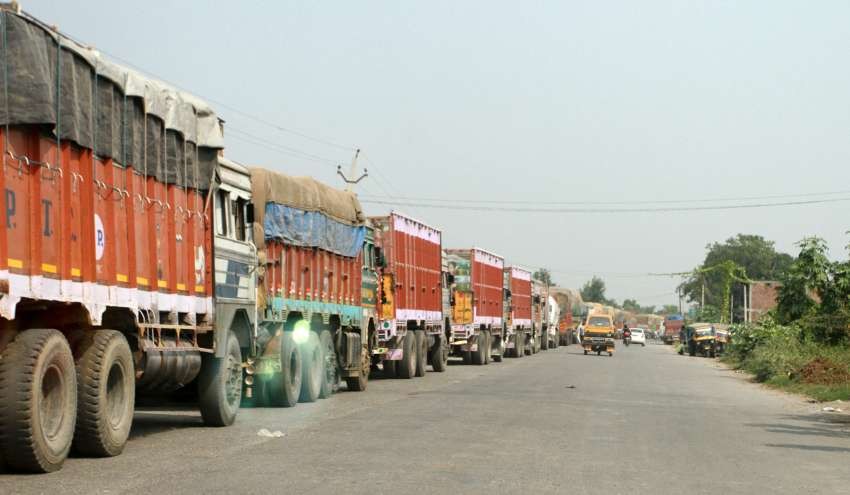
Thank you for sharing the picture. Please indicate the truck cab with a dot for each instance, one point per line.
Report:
(235, 256)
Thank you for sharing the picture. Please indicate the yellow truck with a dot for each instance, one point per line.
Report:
(598, 334)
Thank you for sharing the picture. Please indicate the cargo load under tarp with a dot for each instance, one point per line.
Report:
(77, 95)
(304, 212)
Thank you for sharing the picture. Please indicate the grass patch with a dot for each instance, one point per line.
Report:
(818, 392)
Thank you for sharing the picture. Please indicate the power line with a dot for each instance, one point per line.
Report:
(612, 210)
(248, 137)
(636, 202)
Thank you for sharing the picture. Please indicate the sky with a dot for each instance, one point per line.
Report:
(526, 104)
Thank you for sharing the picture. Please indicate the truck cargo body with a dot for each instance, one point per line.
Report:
(109, 282)
(551, 333)
(672, 326)
(477, 293)
(410, 303)
(518, 312)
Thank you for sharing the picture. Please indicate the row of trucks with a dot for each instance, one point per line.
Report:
(136, 260)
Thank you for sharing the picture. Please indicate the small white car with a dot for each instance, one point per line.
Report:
(638, 336)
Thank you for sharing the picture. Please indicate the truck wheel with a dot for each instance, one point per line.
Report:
(106, 394)
(285, 387)
(421, 352)
(36, 429)
(220, 384)
(312, 369)
(439, 355)
(390, 369)
(407, 367)
(544, 343)
(488, 341)
(329, 370)
(585, 352)
(478, 354)
(467, 357)
(498, 356)
(358, 383)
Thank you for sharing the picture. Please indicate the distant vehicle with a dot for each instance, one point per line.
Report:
(638, 336)
(672, 325)
(599, 334)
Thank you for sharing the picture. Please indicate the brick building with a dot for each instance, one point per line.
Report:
(762, 297)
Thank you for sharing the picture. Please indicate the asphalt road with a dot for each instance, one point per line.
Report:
(643, 421)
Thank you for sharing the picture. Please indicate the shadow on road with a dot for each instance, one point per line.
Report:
(816, 448)
(819, 425)
(151, 421)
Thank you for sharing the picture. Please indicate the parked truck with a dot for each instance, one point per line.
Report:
(312, 332)
(517, 309)
(477, 297)
(672, 326)
(411, 331)
(108, 263)
(551, 332)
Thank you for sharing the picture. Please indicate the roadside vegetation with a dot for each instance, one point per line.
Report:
(803, 346)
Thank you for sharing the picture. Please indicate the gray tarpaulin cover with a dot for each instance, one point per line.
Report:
(71, 90)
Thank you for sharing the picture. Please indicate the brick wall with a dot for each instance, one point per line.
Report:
(764, 298)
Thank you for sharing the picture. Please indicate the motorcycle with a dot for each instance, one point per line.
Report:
(627, 338)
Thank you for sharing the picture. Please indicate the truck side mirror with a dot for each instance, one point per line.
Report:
(249, 213)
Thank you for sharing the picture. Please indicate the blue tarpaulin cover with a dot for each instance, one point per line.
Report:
(312, 229)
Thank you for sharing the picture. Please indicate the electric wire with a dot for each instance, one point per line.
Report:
(507, 209)
(603, 203)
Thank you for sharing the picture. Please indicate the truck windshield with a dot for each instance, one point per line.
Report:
(599, 322)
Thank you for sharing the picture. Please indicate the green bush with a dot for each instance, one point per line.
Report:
(782, 354)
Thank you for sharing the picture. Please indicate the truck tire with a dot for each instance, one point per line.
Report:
(284, 387)
(358, 383)
(106, 394)
(329, 369)
(467, 357)
(390, 369)
(36, 429)
(312, 369)
(421, 352)
(499, 355)
(544, 342)
(220, 384)
(407, 367)
(478, 354)
(440, 354)
(488, 341)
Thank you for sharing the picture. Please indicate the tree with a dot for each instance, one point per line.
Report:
(749, 255)
(815, 294)
(544, 276)
(631, 305)
(594, 291)
(668, 309)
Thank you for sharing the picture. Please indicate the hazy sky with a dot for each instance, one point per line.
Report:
(590, 101)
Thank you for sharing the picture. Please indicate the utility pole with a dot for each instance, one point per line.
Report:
(702, 297)
(351, 171)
